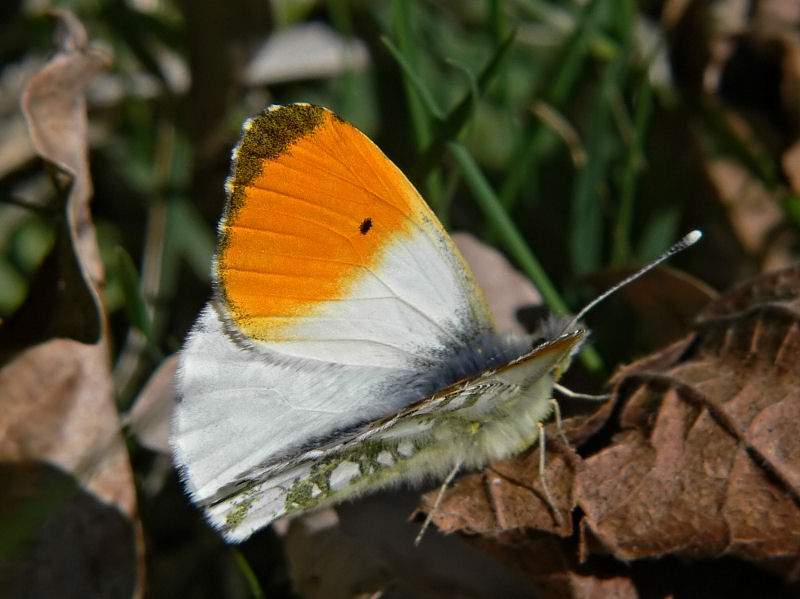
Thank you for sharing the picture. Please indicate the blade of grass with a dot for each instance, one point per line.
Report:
(427, 104)
(450, 126)
(422, 107)
(442, 128)
(455, 121)
(620, 252)
(421, 104)
(480, 187)
(498, 24)
(250, 576)
(570, 64)
(585, 236)
(512, 239)
(134, 304)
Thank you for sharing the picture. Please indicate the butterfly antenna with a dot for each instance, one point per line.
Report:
(688, 240)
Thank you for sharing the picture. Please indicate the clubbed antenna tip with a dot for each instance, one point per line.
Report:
(686, 241)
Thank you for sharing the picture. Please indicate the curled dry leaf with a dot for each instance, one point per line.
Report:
(63, 300)
(706, 464)
(54, 104)
(67, 483)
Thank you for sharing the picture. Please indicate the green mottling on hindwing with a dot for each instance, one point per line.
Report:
(310, 492)
(238, 512)
(385, 455)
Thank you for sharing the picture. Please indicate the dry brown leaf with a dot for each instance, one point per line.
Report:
(505, 512)
(666, 301)
(706, 464)
(63, 300)
(55, 405)
(68, 486)
(67, 483)
(508, 494)
(54, 104)
(149, 418)
(753, 212)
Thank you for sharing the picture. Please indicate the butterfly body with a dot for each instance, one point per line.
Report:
(347, 346)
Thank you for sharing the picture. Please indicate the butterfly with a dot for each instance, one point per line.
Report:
(347, 347)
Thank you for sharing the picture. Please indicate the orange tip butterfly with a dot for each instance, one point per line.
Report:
(347, 346)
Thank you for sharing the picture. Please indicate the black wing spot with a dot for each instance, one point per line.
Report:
(366, 225)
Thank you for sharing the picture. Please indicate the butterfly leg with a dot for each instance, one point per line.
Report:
(438, 501)
(575, 395)
(559, 426)
(571, 395)
(543, 476)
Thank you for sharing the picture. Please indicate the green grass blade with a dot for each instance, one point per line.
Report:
(423, 108)
(250, 576)
(634, 163)
(570, 65)
(452, 125)
(133, 302)
(585, 237)
(512, 239)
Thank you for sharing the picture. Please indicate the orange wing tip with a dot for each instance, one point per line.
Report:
(265, 138)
